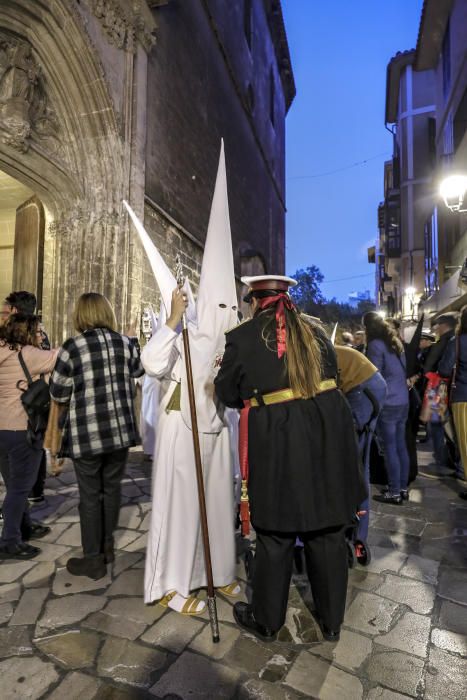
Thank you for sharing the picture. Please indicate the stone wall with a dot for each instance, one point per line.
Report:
(91, 112)
(204, 83)
(170, 241)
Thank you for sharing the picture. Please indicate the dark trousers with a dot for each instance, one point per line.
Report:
(38, 488)
(19, 463)
(99, 479)
(327, 568)
(436, 431)
(411, 432)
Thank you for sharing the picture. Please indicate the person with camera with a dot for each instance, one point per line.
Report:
(20, 450)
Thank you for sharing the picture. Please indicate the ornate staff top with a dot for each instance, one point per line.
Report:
(179, 276)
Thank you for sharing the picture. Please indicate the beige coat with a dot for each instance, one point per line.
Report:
(12, 413)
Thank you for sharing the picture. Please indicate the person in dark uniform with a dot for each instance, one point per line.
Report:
(445, 326)
(298, 451)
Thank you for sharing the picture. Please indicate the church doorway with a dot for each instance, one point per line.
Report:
(22, 227)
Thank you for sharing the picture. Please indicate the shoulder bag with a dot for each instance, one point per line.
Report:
(36, 402)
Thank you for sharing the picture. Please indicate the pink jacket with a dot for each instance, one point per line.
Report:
(12, 413)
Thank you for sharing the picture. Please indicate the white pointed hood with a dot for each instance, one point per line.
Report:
(216, 308)
(164, 277)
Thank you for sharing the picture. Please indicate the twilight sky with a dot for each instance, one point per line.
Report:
(339, 51)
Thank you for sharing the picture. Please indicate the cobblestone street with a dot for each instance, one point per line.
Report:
(404, 633)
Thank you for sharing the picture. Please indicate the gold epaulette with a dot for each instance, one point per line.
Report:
(245, 320)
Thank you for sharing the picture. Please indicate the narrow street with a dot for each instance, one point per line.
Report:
(405, 631)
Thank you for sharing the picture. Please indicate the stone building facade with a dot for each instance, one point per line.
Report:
(104, 100)
(408, 185)
(428, 255)
(441, 48)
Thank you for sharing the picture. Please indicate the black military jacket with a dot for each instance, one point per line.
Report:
(303, 459)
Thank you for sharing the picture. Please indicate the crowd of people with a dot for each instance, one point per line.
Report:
(427, 390)
(294, 392)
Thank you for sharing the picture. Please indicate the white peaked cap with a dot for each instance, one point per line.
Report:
(165, 279)
(251, 281)
(216, 308)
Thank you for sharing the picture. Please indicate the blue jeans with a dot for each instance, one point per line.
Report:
(391, 427)
(20, 466)
(365, 416)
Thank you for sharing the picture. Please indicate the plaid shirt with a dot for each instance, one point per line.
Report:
(93, 375)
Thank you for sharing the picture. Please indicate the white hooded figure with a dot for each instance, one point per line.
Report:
(175, 558)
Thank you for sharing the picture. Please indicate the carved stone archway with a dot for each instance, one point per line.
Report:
(61, 135)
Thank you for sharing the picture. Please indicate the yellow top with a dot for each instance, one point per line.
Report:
(354, 367)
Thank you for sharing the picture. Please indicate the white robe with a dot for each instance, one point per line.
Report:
(148, 415)
(175, 556)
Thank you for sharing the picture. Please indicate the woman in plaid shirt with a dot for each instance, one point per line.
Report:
(93, 377)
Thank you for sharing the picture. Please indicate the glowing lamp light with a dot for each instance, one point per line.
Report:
(410, 293)
(453, 190)
(382, 313)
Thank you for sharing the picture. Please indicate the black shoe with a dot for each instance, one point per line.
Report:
(109, 553)
(19, 551)
(330, 635)
(36, 499)
(92, 567)
(35, 531)
(463, 494)
(244, 617)
(387, 498)
(405, 495)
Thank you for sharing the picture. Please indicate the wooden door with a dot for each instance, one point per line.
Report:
(28, 261)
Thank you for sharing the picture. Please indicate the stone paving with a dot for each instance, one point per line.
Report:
(404, 635)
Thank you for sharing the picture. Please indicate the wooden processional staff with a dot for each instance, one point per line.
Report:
(212, 607)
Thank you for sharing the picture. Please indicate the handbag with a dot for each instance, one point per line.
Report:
(436, 399)
(36, 402)
(54, 436)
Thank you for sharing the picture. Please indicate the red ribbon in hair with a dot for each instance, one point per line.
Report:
(283, 302)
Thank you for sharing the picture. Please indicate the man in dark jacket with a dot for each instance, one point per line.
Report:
(444, 326)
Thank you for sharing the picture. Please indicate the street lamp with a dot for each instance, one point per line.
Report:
(453, 190)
